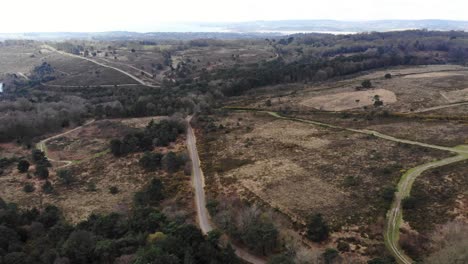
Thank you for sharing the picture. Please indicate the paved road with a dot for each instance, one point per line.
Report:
(42, 145)
(140, 81)
(198, 181)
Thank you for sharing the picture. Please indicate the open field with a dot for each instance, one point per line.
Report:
(301, 169)
(95, 170)
(429, 86)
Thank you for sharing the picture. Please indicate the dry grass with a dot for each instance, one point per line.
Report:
(349, 100)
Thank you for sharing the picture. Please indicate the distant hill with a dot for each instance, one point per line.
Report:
(252, 29)
(342, 26)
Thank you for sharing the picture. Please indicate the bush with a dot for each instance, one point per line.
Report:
(28, 188)
(23, 166)
(330, 254)
(343, 246)
(151, 195)
(388, 76)
(409, 202)
(114, 190)
(388, 193)
(65, 176)
(366, 84)
(317, 229)
(42, 172)
(47, 187)
(151, 161)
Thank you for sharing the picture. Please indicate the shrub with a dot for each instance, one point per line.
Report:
(388, 76)
(28, 188)
(151, 161)
(47, 187)
(23, 166)
(66, 176)
(42, 171)
(409, 202)
(330, 254)
(366, 84)
(114, 190)
(317, 229)
(343, 246)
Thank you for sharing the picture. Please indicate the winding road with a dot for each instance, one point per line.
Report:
(140, 81)
(198, 181)
(42, 145)
(395, 213)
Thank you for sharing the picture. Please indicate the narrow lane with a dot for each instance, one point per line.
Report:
(198, 181)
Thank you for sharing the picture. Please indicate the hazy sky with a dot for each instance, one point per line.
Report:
(148, 15)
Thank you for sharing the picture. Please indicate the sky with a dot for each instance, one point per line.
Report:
(153, 15)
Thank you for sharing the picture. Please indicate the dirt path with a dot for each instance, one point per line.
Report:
(198, 181)
(140, 81)
(395, 214)
(439, 107)
(42, 145)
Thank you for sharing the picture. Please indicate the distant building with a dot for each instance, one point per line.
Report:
(1, 87)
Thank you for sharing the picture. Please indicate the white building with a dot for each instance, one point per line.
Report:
(1, 87)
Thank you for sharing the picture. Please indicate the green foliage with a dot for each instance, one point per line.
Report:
(317, 229)
(23, 166)
(104, 238)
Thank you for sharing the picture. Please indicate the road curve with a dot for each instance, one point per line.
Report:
(140, 81)
(198, 181)
(395, 214)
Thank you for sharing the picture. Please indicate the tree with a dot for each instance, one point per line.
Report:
(47, 187)
(23, 166)
(172, 162)
(260, 235)
(79, 247)
(388, 76)
(151, 161)
(151, 195)
(317, 229)
(115, 146)
(366, 84)
(42, 172)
